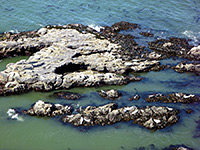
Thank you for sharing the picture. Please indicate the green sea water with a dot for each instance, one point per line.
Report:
(50, 133)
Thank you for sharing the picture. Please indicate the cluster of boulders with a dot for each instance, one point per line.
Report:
(41, 108)
(110, 94)
(173, 98)
(150, 117)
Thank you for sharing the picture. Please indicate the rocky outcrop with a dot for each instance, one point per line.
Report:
(41, 108)
(150, 117)
(67, 95)
(110, 94)
(173, 98)
(24, 43)
(187, 67)
(61, 64)
(76, 55)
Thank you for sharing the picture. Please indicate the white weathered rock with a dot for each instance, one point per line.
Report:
(194, 53)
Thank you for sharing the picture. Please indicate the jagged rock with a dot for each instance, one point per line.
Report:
(149, 117)
(41, 108)
(187, 67)
(110, 94)
(194, 53)
(173, 98)
(67, 95)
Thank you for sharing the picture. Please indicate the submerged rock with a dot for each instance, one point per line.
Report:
(188, 111)
(170, 147)
(149, 117)
(41, 108)
(135, 97)
(147, 34)
(197, 130)
(110, 94)
(173, 98)
(67, 95)
(177, 147)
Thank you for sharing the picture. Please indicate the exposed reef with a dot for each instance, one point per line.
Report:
(150, 117)
(173, 98)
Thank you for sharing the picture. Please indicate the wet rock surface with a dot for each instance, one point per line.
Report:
(173, 98)
(194, 53)
(187, 67)
(135, 97)
(41, 108)
(67, 95)
(110, 94)
(150, 117)
(171, 47)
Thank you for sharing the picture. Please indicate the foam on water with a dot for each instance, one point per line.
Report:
(12, 113)
(195, 36)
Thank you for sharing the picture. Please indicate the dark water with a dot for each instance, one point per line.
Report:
(164, 18)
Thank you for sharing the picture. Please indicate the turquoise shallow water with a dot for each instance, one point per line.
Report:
(164, 18)
(177, 16)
